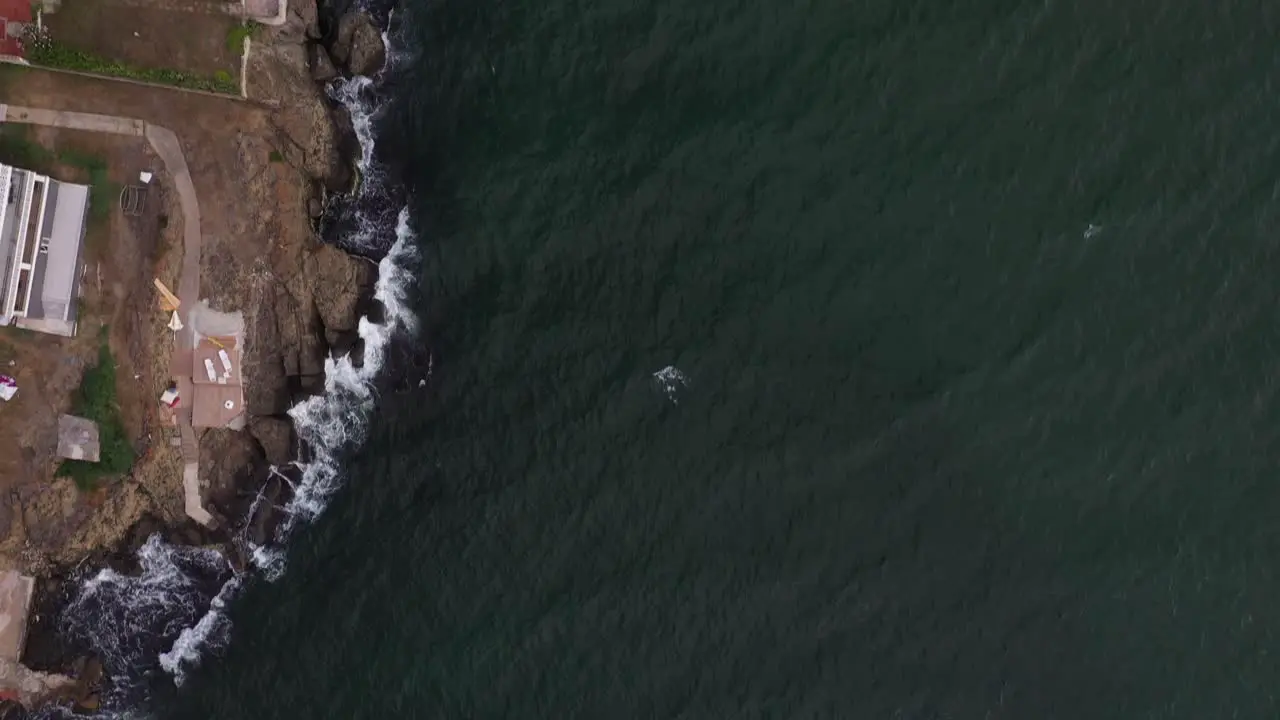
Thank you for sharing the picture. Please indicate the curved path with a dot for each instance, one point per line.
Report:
(166, 145)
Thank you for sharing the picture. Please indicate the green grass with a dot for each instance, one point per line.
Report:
(18, 149)
(50, 53)
(96, 400)
(236, 36)
(275, 156)
(102, 192)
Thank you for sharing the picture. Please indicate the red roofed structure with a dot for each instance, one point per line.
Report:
(15, 15)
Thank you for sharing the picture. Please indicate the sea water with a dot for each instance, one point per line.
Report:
(814, 359)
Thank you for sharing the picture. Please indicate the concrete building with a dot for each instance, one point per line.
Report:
(42, 224)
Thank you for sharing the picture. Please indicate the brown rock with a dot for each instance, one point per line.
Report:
(305, 15)
(262, 524)
(358, 44)
(310, 385)
(322, 67)
(232, 468)
(301, 335)
(276, 437)
(263, 364)
(341, 283)
(312, 353)
(279, 75)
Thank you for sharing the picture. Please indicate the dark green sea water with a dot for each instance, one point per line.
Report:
(976, 304)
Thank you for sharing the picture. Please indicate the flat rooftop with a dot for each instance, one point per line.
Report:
(218, 401)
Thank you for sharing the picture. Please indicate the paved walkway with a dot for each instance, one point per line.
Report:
(201, 7)
(267, 12)
(166, 145)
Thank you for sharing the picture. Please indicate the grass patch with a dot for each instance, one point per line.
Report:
(49, 53)
(236, 37)
(275, 156)
(16, 148)
(96, 400)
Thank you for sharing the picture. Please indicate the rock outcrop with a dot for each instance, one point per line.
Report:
(232, 467)
(322, 68)
(280, 73)
(310, 299)
(358, 44)
(341, 286)
(275, 436)
(315, 292)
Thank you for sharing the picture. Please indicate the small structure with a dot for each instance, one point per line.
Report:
(15, 604)
(78, 439)
(133, 199)
(218, 394)
(42, 224)
(169, 398)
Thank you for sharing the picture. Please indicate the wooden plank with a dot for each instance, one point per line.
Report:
(168, 296)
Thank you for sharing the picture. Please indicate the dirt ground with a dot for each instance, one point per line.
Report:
(147, 35)
(251, 208)
(122, 252)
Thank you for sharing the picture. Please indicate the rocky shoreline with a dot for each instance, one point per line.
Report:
(310, 310)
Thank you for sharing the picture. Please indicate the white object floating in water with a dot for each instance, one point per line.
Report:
(226, 361)
(1092, 230)
(208, 369)
(670, 379)
(144, 176)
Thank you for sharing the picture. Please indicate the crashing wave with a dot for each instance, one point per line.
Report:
(338, 419)
(126, 618)
(214, 627)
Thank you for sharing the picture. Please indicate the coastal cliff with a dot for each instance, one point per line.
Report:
(301, 299)
(311, 310)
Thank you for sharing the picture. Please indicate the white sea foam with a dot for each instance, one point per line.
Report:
(353, 94)
(213, 628)
(123, 616)
(338, 419)
(671, 381)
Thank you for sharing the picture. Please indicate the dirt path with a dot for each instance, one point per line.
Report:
(166, 145)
